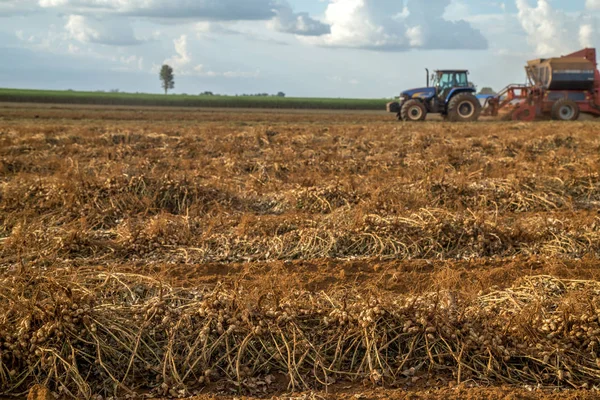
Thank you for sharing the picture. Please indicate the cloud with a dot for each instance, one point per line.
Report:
(592, 4)
(54, 39)
(287, 21)
(10, 8)
(554, 32)
(182, 63)
(393, 25)
(210, 30)
(217, 10)
(73, 49)
(132, 62)
(456, 11)
(183, 57)
(209, 27)
(279, 13)
(201, 70)
(108, 32)
(56, 42)
(586, 34)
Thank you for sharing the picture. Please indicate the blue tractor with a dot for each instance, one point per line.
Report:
(451, 95)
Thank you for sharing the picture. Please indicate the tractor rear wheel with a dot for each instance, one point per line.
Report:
(413, 111)
(464, 107)
(565, 110)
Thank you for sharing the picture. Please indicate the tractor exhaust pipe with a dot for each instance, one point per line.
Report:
(427, 70)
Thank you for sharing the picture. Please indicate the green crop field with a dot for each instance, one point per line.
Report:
(179, 100)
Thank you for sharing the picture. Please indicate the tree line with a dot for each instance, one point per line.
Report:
(167, 79)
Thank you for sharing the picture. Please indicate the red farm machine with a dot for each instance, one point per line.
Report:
(560, 88)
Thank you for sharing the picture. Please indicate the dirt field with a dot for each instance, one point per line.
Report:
(178, 252)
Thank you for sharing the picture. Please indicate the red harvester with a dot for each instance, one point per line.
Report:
(560, 87)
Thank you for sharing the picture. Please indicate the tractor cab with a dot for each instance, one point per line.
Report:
(448, 93)
(446, 80)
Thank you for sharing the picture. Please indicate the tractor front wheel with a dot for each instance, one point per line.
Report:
(464, 107)
(413, 111)
(565, 110)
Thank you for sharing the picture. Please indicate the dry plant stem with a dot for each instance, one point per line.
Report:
(347, 251)
(79, 346)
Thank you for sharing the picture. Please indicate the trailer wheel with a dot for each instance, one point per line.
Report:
(464, 107)
(565, 110)
(413, 111)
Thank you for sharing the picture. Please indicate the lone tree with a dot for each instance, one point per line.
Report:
(167, 78)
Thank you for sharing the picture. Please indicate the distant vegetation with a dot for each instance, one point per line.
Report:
(279, 94)
(207, 99)
(487, 90)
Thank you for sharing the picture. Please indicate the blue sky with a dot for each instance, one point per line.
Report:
(332, 48)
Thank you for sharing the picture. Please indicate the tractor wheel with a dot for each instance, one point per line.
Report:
(565, 110)
(413, 111)
(464, 107)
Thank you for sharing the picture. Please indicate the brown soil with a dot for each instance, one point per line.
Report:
(455, 393)
(411, 276)
(70, 113)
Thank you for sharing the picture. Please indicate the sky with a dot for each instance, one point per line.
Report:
(304, 48)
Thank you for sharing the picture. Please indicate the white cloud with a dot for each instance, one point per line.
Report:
(391, 25)
(544, 27)
(456, 11)
(209, 27)
(24, 38)
(201, 70)
(109, 32)
(60, 42)
(415, 36)
(182, 63)
(133, 61)
(287, 21)
(586, 34)
(553, 32)
(592, 4)
(183, 57)
(241, 74)
(53, 39)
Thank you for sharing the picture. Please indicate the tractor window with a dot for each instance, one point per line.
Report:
(445, 80)
(462, 79)
(448, 80)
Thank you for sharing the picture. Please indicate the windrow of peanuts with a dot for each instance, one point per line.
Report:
(94, 334)
(252, 198)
